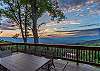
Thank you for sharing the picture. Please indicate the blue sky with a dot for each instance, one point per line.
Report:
(86, 11)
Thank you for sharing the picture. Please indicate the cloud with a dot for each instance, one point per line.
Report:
(93, 0)
(72, 2)
(76, 2)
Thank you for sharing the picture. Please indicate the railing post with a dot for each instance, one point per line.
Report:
(17, 47)
(11, 49)
(77, 55)
(29, 49)
(25, 48)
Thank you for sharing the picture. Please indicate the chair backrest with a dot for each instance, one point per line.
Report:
(5, 53)
(49, 54)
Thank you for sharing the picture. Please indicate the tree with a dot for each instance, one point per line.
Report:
(0, 18)
(39, 7)
(0, 15)
(26, 13)
(16, 12)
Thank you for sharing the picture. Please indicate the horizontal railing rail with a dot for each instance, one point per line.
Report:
(79, 54)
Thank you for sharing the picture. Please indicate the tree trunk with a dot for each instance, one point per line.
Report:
(34, 18)
(22, 32)
(0, 18)
(25, 25)
(20, 22)
(35, 34)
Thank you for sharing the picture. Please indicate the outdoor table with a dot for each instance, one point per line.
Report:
(23, 62)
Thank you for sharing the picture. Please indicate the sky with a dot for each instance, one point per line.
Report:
(83, 14)
(80, 14)
(87, 12)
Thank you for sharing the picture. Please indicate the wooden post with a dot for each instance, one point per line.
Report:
(77, 55)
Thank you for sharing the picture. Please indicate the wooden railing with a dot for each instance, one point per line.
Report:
(79, 54)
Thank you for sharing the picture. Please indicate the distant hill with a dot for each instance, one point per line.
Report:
(90, 43)
(95, 42)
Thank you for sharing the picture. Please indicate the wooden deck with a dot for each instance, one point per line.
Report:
(79, 54)
(73, 67)
(83, 54)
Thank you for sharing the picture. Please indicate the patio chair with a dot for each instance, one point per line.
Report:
(52, 66)
(60, 65)
(49, 65)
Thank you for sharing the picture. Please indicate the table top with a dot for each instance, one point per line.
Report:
(23, 62)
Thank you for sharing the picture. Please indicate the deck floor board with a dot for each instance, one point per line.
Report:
(73, 67)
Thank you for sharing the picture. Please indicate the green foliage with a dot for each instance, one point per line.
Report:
(20, 11)
(89, 44)
(24, 1)
(42, 7)
(2, 41)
